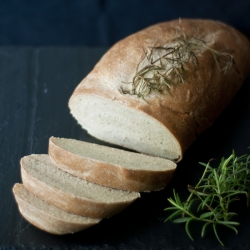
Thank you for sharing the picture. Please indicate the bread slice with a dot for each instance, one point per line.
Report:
(159, 123)
(111, 167)
(45, 180)
(48, 217)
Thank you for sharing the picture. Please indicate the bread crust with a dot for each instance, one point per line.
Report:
(45, 221)
(69, 202)
(110, 175)
(193, 105)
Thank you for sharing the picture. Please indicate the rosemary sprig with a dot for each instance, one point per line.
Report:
(163, 67)
(217, 189)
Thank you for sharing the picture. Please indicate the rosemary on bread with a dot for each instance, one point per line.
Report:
(209, 201)
(164, 66)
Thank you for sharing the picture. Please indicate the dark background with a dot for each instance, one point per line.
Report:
(103, 22)
(46, 48)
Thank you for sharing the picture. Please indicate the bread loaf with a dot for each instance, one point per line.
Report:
(153, 92)
(157, 90)
(45, 180)
(48, 217)
(111, 167)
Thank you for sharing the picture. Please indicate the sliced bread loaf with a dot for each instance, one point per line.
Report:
(111, 167)
(45, 180)
(48, 217)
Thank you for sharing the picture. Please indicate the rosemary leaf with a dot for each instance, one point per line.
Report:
(181, 220)
(229, 223)
(216, 234)
(173, 215)
(206, 215)
(187, 228)
(232, 227)
(204, 228)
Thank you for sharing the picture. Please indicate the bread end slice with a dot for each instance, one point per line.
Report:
(48, 217)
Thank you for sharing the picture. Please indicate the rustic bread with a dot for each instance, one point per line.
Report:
(48, 217)
(45, 180)
(109, 106)
(111, 167)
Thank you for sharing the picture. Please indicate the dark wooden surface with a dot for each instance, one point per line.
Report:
(35, 85)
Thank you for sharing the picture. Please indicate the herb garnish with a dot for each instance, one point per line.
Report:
(163, 67)
(217, 189)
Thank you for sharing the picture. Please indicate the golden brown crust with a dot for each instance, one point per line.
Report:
(69, 202)
(194, 104)
(109, 175)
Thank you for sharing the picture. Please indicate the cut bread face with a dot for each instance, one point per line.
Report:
(72, 194)
(111, 167)
(48, 217)
(121, 125)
